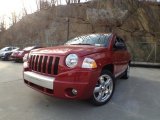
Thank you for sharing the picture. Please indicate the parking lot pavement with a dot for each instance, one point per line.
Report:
(137, 98)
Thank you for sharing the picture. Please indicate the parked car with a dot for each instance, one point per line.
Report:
(18, 55)
(84, 68)
(6, 52)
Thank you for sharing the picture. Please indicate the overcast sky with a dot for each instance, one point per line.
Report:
(8, 6)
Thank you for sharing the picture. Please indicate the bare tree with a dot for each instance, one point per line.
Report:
(24, 11)
(14, 18)
(44, 4)
(72, 1)
(38, 2)
(2, 24)
(67, 2)
(53, 2)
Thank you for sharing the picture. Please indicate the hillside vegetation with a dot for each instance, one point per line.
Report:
(137, 22)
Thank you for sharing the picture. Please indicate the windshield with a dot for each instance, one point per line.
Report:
(4, 48)
(28, 48)
(93, 39)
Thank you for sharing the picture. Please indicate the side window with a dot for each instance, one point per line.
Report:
(117, 40)
(122, 41)
(9, 49)
(119, 44)
(6, 49)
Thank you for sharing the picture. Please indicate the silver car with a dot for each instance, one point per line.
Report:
(6, 52)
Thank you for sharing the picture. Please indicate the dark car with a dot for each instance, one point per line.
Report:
(18, 55)
(84, 68)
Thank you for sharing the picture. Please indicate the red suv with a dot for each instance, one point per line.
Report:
(18, 55)
(84, 68)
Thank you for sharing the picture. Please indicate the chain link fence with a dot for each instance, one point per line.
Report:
(146, 52)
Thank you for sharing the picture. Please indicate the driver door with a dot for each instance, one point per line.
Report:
(119, 54)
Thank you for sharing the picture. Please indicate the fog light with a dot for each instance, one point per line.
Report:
(74, 92)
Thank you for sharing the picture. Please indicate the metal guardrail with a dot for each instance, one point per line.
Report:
(145, 64)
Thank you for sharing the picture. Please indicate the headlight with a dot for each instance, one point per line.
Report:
(4, 54)
(20, 53)
(71, 60)
(89, 63)
(26, 57)
(25, 65)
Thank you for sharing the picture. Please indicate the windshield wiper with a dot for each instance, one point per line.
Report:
(81, 44)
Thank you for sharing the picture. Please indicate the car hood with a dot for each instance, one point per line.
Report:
(20, 51)
(80, 50)
(16, 52)
(4, 52)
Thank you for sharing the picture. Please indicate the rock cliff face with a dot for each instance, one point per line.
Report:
(137, 22)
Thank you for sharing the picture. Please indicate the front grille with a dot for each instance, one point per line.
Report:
(44, 64)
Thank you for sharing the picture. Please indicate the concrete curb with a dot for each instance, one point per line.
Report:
(145, 64)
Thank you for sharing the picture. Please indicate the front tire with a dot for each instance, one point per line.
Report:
(104, 89)
(6, 58)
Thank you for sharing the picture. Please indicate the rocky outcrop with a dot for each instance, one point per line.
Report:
(137, 22)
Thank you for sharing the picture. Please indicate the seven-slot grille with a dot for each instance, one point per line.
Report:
(44, 64)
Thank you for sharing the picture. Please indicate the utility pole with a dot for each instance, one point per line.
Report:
(67, 19)
(155, 52)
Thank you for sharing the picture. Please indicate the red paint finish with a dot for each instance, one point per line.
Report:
(81, 79)
(84, 81)
(18, 55)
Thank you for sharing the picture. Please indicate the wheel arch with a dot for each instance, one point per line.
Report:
(109, 67)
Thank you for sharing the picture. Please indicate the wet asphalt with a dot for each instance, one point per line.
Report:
(137, 98)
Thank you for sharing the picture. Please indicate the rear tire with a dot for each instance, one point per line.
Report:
(104, 89)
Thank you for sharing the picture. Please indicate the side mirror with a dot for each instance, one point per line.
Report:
(119, 45)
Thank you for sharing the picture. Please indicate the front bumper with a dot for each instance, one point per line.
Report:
(1, 55)
(40, 80)
(17, 57)
(61, 85)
